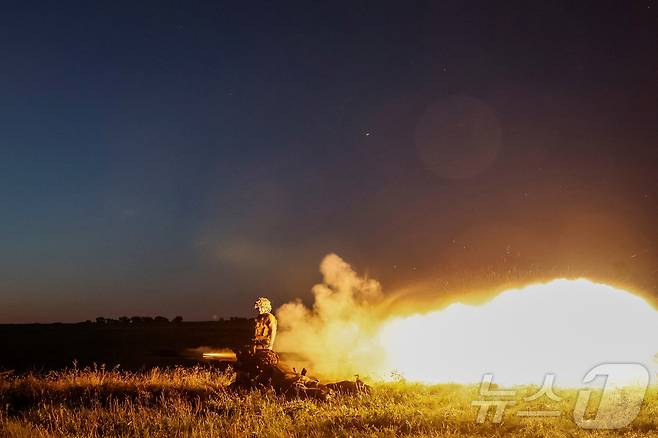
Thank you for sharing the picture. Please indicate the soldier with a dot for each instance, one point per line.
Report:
(256, 362)
(265, 330)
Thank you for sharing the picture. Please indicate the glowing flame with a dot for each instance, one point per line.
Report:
(565, 327)
(226, 356)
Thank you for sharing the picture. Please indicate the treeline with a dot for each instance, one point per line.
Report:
(137, 320)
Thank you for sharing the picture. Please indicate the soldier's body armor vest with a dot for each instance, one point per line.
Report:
(265, 330)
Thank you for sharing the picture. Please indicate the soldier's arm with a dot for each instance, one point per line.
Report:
(258, 335)
(272, 324)
(272, 328)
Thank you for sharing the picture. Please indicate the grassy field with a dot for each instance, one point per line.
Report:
(193, 402)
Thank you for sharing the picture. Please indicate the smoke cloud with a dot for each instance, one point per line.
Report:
(337, 336)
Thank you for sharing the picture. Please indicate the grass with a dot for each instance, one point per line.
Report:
(194, 402)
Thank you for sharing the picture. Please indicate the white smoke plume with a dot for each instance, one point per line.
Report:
(338, 335)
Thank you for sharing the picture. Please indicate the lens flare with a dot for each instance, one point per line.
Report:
(564, 327)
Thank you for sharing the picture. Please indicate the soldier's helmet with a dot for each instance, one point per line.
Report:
(263, 305)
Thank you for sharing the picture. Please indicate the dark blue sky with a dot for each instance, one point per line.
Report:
(184, 158)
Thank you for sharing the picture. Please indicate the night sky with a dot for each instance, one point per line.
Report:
(187, 157)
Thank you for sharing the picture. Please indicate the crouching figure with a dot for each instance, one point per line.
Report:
(256, 361)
